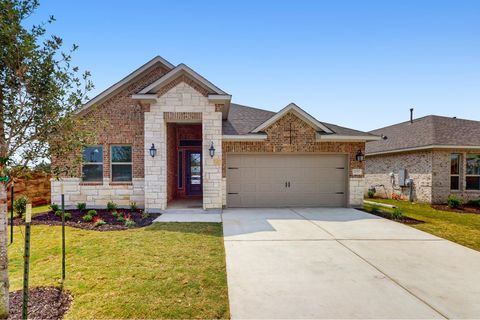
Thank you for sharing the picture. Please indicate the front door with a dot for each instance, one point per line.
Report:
(194, 173)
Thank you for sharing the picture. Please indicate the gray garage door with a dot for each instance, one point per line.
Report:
(279, 180)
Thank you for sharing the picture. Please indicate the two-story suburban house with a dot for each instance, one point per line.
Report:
(171, 138)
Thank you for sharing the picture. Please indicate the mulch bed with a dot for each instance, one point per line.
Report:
(43, 303)
(77, 222)
(462, 209)
(404, 220)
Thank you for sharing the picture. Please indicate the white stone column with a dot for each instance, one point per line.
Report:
(212, 167)
(155, 167)
(356, 192)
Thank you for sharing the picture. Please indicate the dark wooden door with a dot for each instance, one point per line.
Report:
(194, 173)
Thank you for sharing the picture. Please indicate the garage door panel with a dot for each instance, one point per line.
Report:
(314, 180)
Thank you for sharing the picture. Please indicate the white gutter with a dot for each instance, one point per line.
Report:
(244, 137)
(345, 138)
(432, 146)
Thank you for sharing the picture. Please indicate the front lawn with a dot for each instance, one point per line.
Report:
(166, 270)
(463, 228)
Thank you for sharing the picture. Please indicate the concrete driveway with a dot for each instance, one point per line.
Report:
(344, 263)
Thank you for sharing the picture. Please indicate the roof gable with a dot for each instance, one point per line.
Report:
(177, 71)
(129, 78)
(300, 113)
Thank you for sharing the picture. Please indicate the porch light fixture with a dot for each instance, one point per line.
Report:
(360, 156)
(153, 151)
(211, 150)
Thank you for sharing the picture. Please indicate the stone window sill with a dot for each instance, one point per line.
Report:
(126, 183)
(84, 183)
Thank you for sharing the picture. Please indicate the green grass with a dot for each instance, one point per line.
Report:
(462, 228)
(35, 210)
(167, 270)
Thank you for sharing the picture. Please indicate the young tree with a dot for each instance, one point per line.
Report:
(40, 90)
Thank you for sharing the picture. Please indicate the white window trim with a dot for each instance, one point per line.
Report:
(470, 175)
(119, 163)
(458, 174)
(94, 163)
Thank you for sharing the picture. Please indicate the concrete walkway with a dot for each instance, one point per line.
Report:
(344, 263)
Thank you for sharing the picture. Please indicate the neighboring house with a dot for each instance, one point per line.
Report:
(441, 155)
(170, 134)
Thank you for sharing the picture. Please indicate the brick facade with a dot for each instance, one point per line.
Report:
(430, 171)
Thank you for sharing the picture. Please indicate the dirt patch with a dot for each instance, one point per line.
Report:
(43, 303)
(112, 222)
(462, 209)
(386, 215)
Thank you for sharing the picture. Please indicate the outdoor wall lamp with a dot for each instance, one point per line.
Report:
(153, 151)
(360, 156)
(211, 150)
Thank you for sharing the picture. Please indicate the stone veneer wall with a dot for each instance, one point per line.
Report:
(183, 98)
(96, 196)
(278, 140)
(419, 168)
(441, 175)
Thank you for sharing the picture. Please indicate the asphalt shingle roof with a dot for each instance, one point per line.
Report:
(243, 119)
(426, 131)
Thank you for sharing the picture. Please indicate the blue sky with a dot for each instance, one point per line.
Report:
(360, 64)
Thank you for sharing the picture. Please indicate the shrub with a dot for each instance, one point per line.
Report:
(68, 216)
(454, 202)
(20, 205)
(99, 222)
(81, 206)
(375, 208)
(145, 214)
(115, 214)
(55, 207)
(120, 219)
(396, 214)
(91, 213)
(58, 213)
(87, 218)
(474, 203)
(129, 223)
(370, 193)
(111, 206)
(133, 206)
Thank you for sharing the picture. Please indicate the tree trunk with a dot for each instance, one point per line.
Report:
(4, 284)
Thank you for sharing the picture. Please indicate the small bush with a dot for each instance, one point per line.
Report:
(68, 216)
(92, 213)
(99, 222)
(20, 206)
(145, 214)
(129, 223)
(111, 206)
(58, 213)
(371, 194)
(120, 219)
(375, 208)
(82, 206)
(474, 203)
(397, 214)
(115, 214)
(133, 206)
(87, 218)
(454, 202)
(55, 207)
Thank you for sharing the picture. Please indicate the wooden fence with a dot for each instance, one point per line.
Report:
(36, 188)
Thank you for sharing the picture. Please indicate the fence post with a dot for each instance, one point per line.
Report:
(26, 264)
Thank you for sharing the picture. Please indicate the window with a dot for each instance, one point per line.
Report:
(473, 172)
(92, 168)
(121, 158)
(455, 171)
(190, 143)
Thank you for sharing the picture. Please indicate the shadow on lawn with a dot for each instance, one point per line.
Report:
(203, 228)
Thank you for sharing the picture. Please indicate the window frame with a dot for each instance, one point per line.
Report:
(458, 175)
(121, 163)
(180, 170)
(92, 163)
(471, 175)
